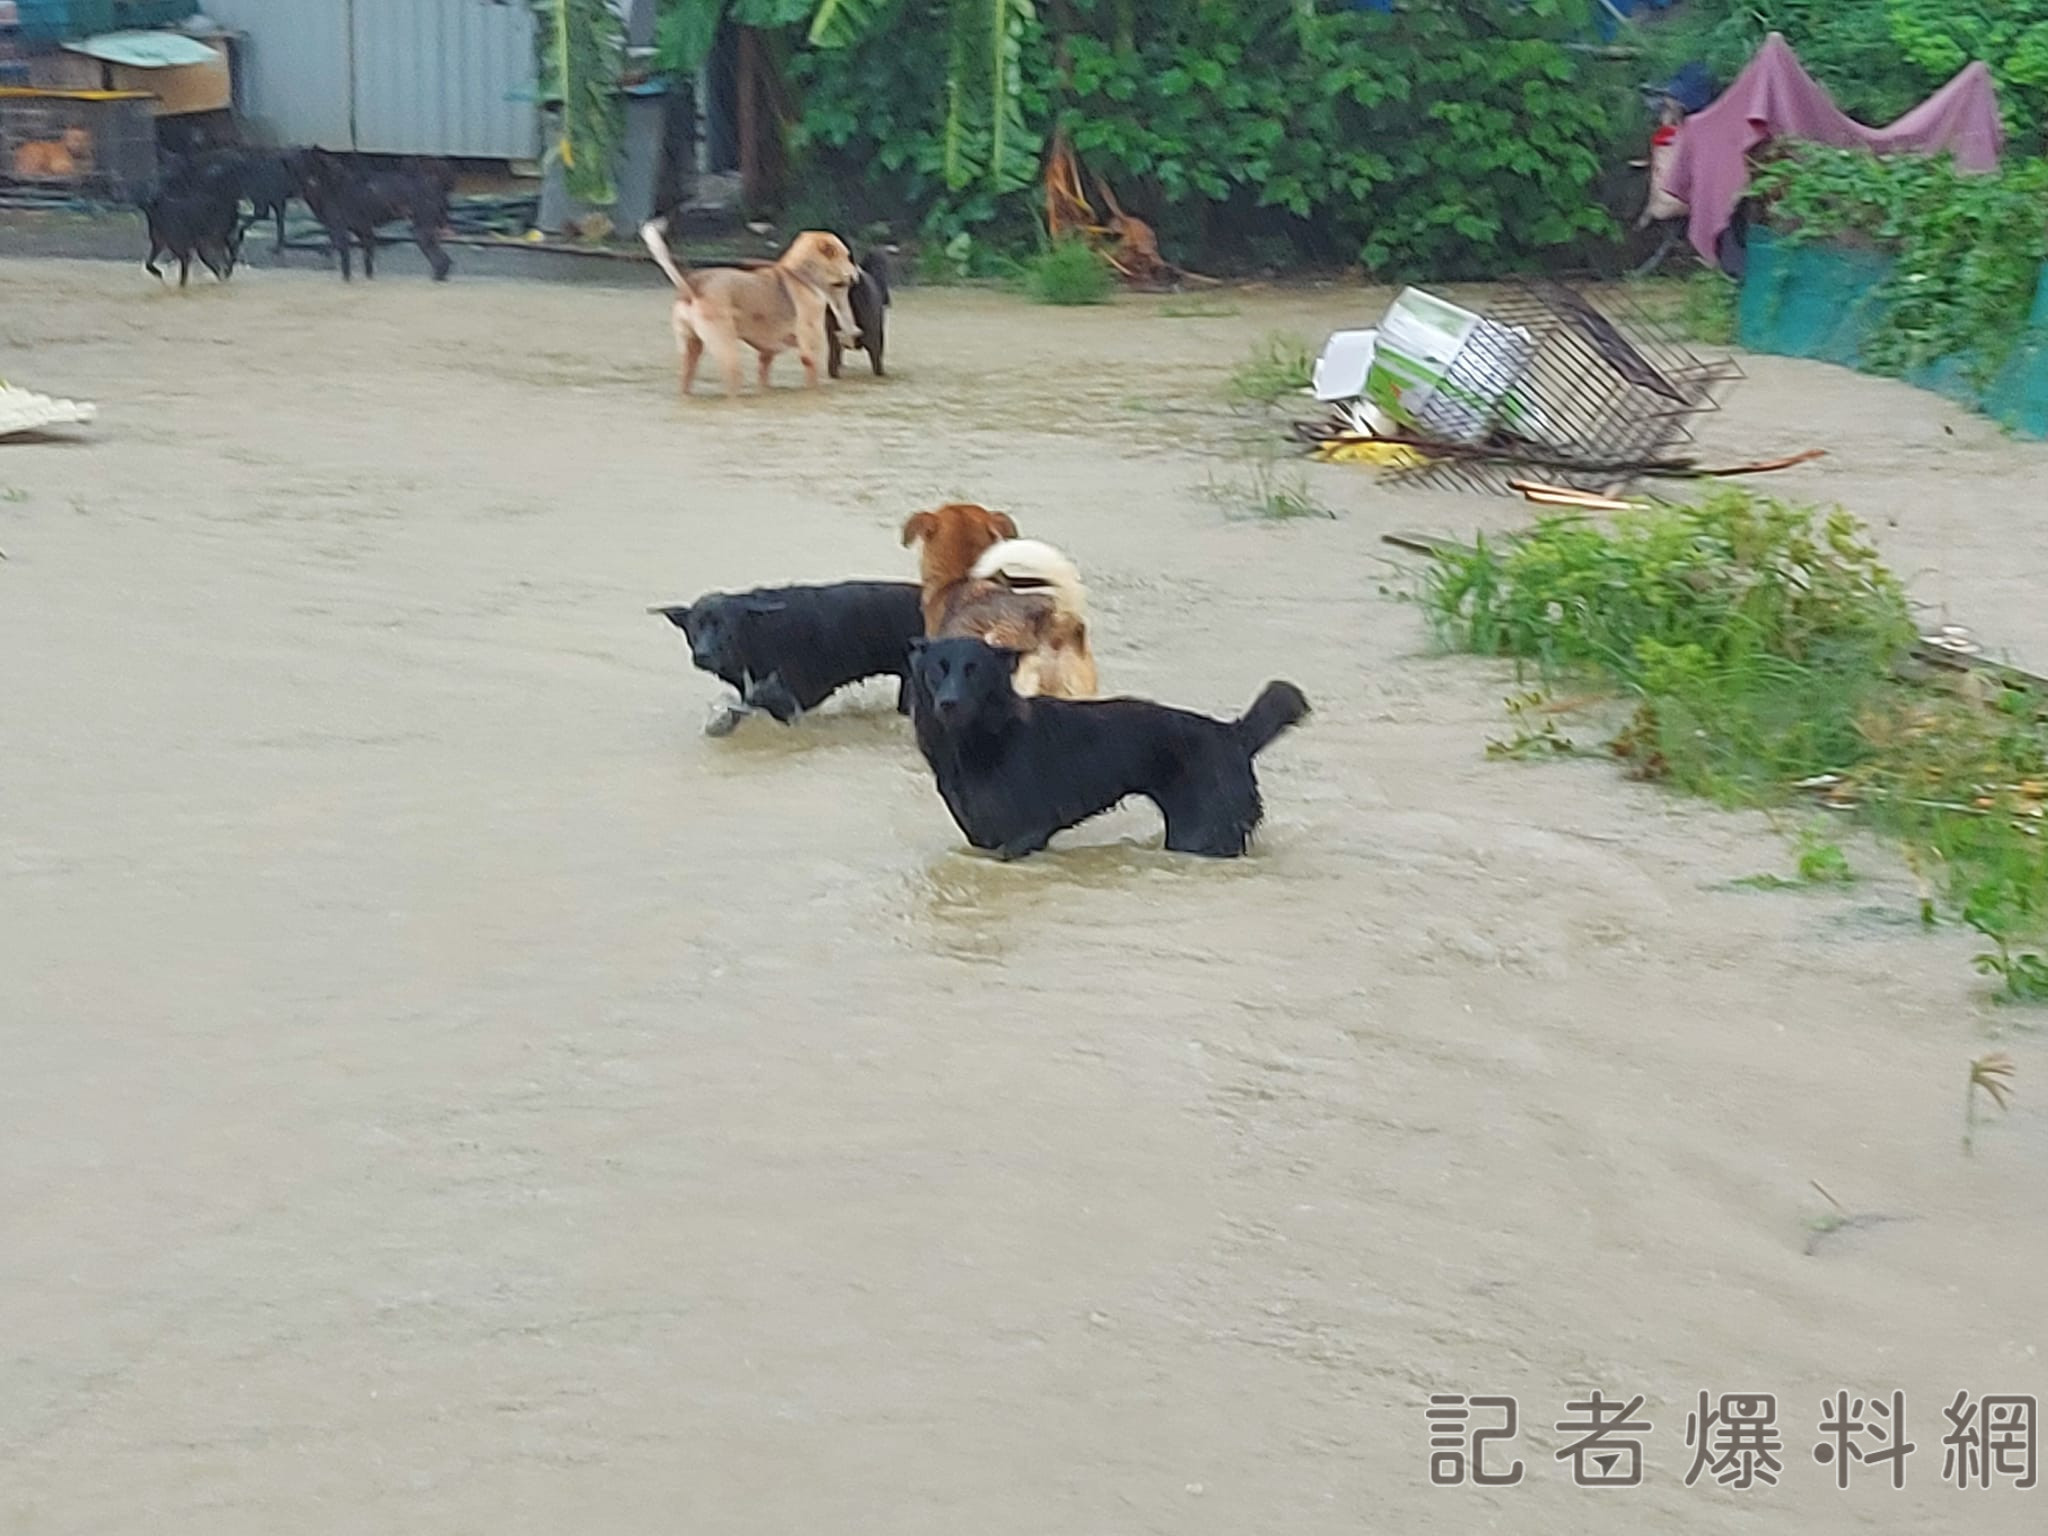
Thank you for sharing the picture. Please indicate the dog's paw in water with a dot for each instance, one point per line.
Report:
(725, 717)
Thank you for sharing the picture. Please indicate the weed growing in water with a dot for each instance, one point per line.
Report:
(1818, 860)
(1536, 734)
(1279, 365)
(1762, 644)
(1265, 488)
(1821, 860)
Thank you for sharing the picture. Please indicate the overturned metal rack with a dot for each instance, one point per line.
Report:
(1590, 400)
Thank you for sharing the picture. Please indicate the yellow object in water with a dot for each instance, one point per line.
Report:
(1368, 450)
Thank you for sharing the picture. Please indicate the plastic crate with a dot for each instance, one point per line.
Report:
(59, 21)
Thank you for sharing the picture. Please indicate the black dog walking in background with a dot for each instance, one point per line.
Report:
(266, 180)
(351, 202)
(1014, 771)
(193, 218)
(263, 177)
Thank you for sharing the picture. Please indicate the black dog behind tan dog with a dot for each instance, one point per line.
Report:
(1014, 771)
(869, 300)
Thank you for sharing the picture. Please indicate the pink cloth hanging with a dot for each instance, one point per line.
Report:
(1775, 98)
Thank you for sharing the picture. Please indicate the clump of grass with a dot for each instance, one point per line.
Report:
(1755, 635)
(1707, 306)
(1263, 487)
(1196, 309)
(1818, 860)
(1068, 272)
(1821, 860)
(1279, 365)
(1762, 646)
(1536, 731)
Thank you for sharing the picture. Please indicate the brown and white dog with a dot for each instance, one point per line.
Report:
(772, 309)
(981, 579)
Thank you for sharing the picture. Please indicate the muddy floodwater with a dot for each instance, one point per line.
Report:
(442, 1091)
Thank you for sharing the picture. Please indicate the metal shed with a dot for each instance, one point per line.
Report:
(398, 77)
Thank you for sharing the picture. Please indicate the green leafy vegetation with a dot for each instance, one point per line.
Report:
(1707, 307)
(1457, 138)
(581, 45)
(982, 136)
(1817, 860)
(1068, 272)
(1968, 248)
(1762, 647)
(686, 29)
(1821, 860)
(1279, 365)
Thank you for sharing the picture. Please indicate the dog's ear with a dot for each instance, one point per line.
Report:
(821, 259)
(920, 525)
(1007, 657)
(1006, 525)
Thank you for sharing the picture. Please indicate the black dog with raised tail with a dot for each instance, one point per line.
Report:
(1014, 771)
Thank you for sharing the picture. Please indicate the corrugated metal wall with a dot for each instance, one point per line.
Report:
(295, 67)
(403, 77)
(444, 77)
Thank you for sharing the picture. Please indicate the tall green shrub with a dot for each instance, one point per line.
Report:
(1459, 137)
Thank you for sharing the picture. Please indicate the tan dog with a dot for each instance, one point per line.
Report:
(981, 579)
(772, 309)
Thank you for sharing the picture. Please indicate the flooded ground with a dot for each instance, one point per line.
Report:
(444, 1092)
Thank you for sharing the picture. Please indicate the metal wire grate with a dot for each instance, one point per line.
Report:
(77, 142)
(1550, 388)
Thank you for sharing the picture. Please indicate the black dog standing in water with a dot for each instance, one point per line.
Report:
(1014, 771)
(785, 650)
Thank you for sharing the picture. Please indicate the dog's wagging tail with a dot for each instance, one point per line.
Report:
(1279, 707)
(654, 235)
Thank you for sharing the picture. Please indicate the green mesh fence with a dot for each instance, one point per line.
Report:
(1823, 302)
